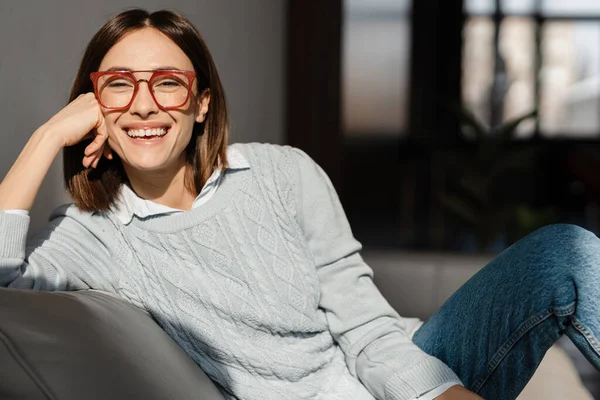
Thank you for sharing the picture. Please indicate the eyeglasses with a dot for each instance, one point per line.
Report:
(116, 90)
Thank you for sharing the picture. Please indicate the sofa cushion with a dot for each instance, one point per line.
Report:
(89, 345)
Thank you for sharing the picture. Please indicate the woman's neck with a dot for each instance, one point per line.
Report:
(166, 187)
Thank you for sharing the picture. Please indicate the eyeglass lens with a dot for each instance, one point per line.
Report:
(170, 90)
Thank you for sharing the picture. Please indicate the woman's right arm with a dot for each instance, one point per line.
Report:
(66, 255)
(22, 183)
(19, 188)
(72, 252)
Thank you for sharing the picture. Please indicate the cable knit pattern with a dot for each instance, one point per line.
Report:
(262, 286)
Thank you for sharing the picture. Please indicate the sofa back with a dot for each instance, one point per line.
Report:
(90, 345)
(417, 284)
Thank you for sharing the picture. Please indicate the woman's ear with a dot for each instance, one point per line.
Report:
(203, 102)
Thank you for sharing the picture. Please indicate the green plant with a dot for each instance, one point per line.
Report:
(491, 190)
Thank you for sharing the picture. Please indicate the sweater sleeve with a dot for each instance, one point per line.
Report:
(64, 256)
(376, 341)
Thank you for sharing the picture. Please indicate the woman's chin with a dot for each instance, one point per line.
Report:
(146, 164)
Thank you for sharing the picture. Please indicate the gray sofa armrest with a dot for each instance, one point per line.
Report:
(89, 345)
(417, 284)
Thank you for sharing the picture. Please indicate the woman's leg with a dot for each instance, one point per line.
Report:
(494, 331)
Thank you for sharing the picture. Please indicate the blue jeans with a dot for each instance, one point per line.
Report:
(494, 331)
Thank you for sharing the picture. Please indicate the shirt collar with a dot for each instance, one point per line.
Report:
(129, 203)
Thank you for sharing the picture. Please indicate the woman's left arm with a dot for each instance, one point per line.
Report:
(374, 338)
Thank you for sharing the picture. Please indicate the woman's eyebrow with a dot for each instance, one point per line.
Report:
(165, 67)
(113, 69)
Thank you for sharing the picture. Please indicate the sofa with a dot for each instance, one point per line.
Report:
(93, 345)
(90, 345)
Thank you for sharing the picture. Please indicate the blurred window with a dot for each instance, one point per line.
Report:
(524, 55)
(375, 67)
(548, 8)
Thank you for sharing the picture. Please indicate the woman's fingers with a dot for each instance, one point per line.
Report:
(96, 144)
(99, 146)
(101, 127)
(107, 151)
(91, 148)
(86, 161)
(91, 159)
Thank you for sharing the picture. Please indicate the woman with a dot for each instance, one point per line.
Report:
(243, 254)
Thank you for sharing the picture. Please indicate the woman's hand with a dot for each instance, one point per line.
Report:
(458, 393)
(81, 119)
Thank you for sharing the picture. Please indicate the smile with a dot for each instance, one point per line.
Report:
(155, 133)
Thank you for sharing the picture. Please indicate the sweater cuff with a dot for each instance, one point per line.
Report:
(13, 235)
(438, 391)
(424, 377)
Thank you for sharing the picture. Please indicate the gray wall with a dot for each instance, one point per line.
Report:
(41, 43)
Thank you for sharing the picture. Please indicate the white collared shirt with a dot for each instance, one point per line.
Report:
(130, 204)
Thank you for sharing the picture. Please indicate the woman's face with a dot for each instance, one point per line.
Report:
(143, 50)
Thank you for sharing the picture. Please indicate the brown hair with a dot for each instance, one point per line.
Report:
(97, 189)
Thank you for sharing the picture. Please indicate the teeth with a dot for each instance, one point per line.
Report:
(146, 132)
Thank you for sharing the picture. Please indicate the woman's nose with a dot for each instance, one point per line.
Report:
(143, 104)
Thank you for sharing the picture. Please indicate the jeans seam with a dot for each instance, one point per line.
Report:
(514, 338)
(589, 336)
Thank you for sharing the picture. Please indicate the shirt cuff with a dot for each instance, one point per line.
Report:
(17, 212)
(433, 393)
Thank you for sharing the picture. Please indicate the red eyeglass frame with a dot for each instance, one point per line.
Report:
(190, 75)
